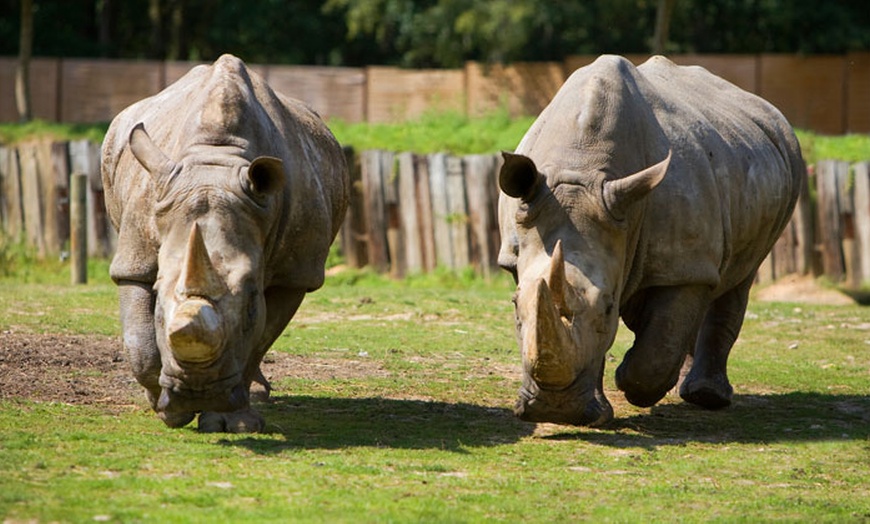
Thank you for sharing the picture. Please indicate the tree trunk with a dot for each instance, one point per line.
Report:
(663, 25)
(155, 16)
(106, 18)
(22, 73)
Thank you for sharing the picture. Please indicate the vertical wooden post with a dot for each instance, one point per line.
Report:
(424, 211)
(440, 209)
(78, 239)
(830, 227)
(353, 231)
(479, 177)
(457, 218)
(409, 209)
(862, 218)
(375, 210)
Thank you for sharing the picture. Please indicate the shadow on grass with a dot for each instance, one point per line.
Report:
(304, 422)
(787, 417)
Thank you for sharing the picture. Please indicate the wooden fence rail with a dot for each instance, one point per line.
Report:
(822, 93)
(411, 213)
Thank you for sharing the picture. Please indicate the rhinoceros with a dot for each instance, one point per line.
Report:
(226, 197)
(650, 193)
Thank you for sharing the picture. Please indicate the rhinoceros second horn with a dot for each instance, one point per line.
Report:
(198, 277)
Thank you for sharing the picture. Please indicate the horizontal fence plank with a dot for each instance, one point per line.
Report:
(824, 93)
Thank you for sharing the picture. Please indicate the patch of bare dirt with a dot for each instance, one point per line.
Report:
(803, 290)
(89, 370)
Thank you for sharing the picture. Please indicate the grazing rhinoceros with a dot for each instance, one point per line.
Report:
(651, 193)
(226, 197)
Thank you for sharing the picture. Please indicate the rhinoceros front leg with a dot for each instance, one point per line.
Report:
(281, 305)
(137, 326)
(707, 382)
(665, 321)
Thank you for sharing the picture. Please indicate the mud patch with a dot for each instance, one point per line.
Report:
(93, 370)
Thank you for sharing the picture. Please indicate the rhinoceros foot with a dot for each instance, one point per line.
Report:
(245, 420)
(708, 392)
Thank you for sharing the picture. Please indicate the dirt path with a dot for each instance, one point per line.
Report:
(88, 370)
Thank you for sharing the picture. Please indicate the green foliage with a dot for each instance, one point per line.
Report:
(449, 132)
(848, 148)
(427, 33)
(11, 133)
(437, 132)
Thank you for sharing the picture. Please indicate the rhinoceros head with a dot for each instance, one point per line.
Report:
(212, 219)
(567, 234)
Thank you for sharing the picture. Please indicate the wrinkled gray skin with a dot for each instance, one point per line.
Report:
(651, 193)
(226, 197)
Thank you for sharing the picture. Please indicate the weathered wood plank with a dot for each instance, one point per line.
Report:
(354, 230)
(395, 239)
(424, 211)
(457, 209)
(804, 224)
(84, 157)
(830, 228)
(862, 218)
(375, 211)
(10, 194)
(78, 239)
(31, 198)
(440, 210)
(60, 174)
(480, 177)
(410, 223)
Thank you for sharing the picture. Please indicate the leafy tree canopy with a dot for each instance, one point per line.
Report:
(428, 33)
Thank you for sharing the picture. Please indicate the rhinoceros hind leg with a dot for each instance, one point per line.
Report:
(665, 322)
(261, 389)
(707, 382)
(245, 420)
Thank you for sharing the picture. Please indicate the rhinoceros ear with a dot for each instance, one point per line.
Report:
(518, 177)
(264, 177)
(621, 193)
(148, 153)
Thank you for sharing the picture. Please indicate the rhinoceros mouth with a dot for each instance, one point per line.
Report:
(582, 403)
(179, 401)
(228, 394)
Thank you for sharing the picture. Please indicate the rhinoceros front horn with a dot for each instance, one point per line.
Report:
(195, 331)
(548, 346)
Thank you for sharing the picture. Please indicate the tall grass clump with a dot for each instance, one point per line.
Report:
(13, 133)
(847, 148)
(447, 132)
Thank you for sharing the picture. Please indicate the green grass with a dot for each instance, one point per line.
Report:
(848, 148)
(10, 132)
(438, 132)
(444, 132)
(423, 430)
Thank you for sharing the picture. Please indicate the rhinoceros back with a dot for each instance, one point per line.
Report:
(734, 177)
(227, 108)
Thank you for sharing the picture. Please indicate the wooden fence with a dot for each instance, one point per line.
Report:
(410, 213)
(826, 94)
